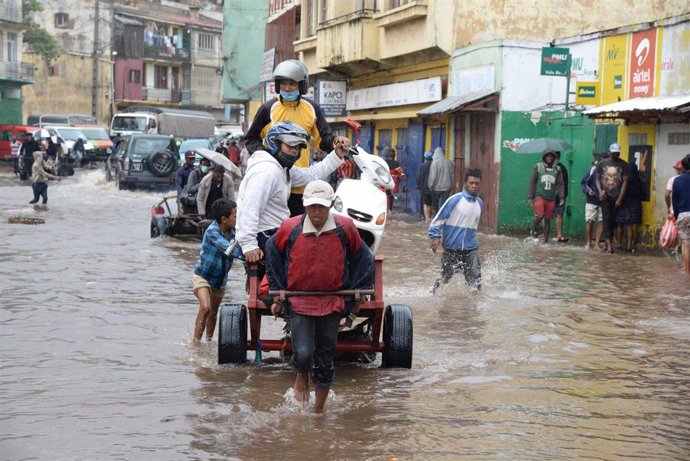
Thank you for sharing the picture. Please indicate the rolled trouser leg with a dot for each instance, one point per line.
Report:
(326, 338)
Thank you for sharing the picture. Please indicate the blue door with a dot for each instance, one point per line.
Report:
(366, 137)
(414, 153)
(438, 138)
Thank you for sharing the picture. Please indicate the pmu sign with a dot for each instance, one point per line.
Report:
(555, 62)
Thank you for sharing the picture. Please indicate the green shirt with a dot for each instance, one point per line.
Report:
(546, 182)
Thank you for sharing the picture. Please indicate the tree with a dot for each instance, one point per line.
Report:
(41, 42)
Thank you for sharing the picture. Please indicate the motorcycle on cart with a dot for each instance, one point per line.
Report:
(378, 328)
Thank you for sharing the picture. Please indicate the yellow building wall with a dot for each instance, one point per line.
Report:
(70, 91)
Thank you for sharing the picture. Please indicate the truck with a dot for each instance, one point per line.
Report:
(161, 120)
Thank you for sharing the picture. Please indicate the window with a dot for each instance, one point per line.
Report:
(207, 42)
(637, 139)
(323, 11)
(61, 20)
(11, 46)
(2, 44)
(309, 16)
(53, 71)
(396, 3)
(134, 76)
(160, 76)
(678, 138)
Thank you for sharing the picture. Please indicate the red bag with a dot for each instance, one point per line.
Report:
(669, 234)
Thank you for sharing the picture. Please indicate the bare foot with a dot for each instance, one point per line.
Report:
(301, 387)
(321, 397)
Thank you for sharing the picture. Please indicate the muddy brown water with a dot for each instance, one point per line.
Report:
(564, 354)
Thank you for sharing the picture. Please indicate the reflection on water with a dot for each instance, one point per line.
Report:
(564, 354)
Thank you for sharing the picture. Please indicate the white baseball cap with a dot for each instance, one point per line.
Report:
(615, 147)
(318, 193)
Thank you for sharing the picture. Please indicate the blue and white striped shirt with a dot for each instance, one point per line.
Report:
(457, 221)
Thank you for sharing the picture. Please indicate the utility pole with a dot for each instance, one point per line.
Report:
(94, 79)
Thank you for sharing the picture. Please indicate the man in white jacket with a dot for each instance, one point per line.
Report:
(264, 191)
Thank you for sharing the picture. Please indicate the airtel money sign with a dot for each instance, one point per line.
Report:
(642, 64)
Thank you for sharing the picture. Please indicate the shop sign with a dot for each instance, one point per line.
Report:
(614, 51)
(555, 62)
(586, 93)
(395, 94)
(642, 64)
(333, 97)
(473, 80)
(267, 65)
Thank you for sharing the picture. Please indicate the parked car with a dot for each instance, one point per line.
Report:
(143, 160)
(99, 139)
(70, 135)
(9, 132)
(194, 144)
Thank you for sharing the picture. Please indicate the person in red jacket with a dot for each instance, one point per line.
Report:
(316, 251)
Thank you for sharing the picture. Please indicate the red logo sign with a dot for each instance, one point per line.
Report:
(642, 64)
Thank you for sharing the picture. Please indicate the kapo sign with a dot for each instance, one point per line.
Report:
(333, 97)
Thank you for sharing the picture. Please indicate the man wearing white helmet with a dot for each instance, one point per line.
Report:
(263, 194)
(291, 84)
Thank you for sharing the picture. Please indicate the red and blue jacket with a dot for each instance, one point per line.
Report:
(332, 260)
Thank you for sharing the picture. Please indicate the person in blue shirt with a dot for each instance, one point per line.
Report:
(218, 250)
(454, 228)
(680, 199)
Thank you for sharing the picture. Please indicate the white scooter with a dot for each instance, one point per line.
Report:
(363, 199)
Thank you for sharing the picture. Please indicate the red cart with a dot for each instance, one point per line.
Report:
(395, 321)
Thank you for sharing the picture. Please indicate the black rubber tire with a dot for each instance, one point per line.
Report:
(108, 172)
(163, 163)
(232, 334)
(155, 230)
(397, 337)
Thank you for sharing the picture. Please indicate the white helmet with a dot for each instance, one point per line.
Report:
(292, 69)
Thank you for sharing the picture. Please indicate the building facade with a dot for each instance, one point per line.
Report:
(14, 73)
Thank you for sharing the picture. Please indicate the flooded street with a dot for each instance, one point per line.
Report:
(564, 354)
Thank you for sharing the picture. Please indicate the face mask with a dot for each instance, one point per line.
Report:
(289, 95)
(286, 160)
(204, 169)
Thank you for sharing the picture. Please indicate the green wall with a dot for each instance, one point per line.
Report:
(514, 214)
(10, 109)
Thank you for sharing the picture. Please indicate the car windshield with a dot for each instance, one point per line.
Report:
(129, 123)
(145, 147)
(95, 133)
(69, 134)
(193, 144)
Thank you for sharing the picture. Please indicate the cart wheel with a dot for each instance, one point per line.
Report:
(397, 337)
(232, 334)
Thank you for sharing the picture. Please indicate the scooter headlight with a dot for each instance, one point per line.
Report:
(383, 174)
(108, 150)
(381, 219)
(338, 204)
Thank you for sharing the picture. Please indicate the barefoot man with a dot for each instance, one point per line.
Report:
(316, 251)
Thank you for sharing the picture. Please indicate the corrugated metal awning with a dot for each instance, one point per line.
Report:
(668, 104)
(128, 21)
(454, 103)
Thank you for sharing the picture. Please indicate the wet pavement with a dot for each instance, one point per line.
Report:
(564, 354)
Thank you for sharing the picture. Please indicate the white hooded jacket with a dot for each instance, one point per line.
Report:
(264, 191)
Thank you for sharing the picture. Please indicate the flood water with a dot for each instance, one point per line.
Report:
(564, 354)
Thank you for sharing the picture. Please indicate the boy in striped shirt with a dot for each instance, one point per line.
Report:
(455, 230)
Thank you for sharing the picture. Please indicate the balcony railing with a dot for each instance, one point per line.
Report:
(11, 11)
(23, 71)
(347, 39)
(156, 94)
(166, 52)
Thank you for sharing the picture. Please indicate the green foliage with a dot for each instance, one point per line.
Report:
(36, 36)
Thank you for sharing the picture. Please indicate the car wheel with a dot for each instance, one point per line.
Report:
(232, 334)
(397, 337)
(119, 183)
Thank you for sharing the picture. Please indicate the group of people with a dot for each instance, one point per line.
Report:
(283, 228)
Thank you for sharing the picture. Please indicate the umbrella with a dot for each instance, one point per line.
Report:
(539, 145)
(220, 159)
(41, 133)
